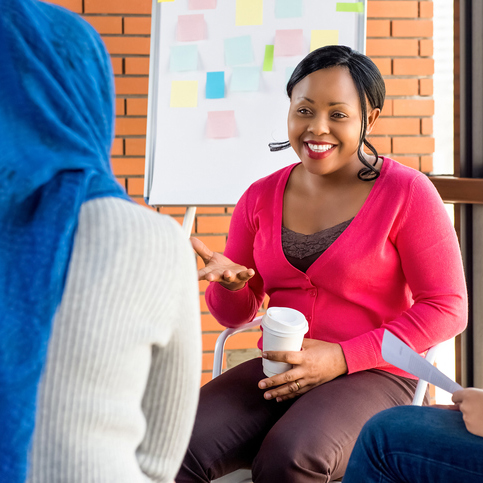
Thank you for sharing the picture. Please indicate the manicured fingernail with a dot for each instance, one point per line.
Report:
(268, 396)
(264, 355)
(262, 385)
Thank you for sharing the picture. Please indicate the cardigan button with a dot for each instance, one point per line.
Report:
(312, 293)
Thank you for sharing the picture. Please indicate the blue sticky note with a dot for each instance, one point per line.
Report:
(183, 58)
(245, 79)
(288, 8)
(238, 50)
(215, 85)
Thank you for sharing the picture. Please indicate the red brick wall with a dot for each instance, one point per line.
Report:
(399, 40)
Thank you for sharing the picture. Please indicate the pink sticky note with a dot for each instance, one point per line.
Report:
(201, 4)
(289, 42)
(191, 27)
(221, 124)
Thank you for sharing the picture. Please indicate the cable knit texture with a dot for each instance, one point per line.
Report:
(119, 393)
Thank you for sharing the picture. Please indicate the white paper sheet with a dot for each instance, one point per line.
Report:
(396, 352)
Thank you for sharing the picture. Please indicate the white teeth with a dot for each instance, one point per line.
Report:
(320, 148)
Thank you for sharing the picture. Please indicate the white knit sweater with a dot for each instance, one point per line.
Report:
(119, 393)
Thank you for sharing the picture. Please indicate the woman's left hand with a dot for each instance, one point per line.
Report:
(317, 363)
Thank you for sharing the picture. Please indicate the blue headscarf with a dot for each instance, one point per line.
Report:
(56, 130)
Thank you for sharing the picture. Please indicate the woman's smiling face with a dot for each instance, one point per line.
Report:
(324, 122)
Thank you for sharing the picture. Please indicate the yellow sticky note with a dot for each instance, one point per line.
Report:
(184, 94)
(249, 12)
(321, 38)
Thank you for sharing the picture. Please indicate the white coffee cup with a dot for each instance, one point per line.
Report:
(283, 330)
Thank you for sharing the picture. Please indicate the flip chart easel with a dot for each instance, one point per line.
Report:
(218, 71)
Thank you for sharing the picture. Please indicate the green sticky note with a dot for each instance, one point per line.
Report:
(249, 12)
(268, 59)
(357, 7)
(321, 38)
(184, 94)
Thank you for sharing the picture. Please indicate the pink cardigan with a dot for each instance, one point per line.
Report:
(397, 266)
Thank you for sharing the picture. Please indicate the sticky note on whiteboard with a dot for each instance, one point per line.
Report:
(183, 58)
(288, 8)
(289, 42)
(191, 27)
(268, 58)
(215, 85)
(184, 94)
(221, 124)
(321, 38)
(245, 79)
(249, 12)
(238, 50)
(201, 4)
(357, 7)
(288, 73)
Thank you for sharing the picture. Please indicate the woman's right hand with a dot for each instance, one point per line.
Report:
(220, 269)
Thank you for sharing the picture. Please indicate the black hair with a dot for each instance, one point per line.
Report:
(367, 79)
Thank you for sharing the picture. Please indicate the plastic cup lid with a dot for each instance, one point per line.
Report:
(285, 320)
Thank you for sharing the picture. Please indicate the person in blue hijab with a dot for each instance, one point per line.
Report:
(56, 124)
(100, 339)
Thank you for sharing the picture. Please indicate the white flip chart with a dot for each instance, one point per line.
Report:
(218, 73)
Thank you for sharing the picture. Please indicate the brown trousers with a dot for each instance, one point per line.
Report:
(307, 439)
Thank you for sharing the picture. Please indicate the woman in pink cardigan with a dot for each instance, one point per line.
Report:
(358, 243)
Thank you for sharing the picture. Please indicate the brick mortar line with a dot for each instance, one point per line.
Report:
(141, 36)
(143, 56)
(107, 14)
(130, 136)
(126, 156)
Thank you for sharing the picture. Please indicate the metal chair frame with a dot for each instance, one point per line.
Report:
(244, 475)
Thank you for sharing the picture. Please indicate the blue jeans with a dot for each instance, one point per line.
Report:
(416, 444)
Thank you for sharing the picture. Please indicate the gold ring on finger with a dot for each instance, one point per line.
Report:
(298, 385)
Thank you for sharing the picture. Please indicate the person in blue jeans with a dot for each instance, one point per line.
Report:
(416, 444)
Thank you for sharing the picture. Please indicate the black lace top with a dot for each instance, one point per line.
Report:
(302, 250)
